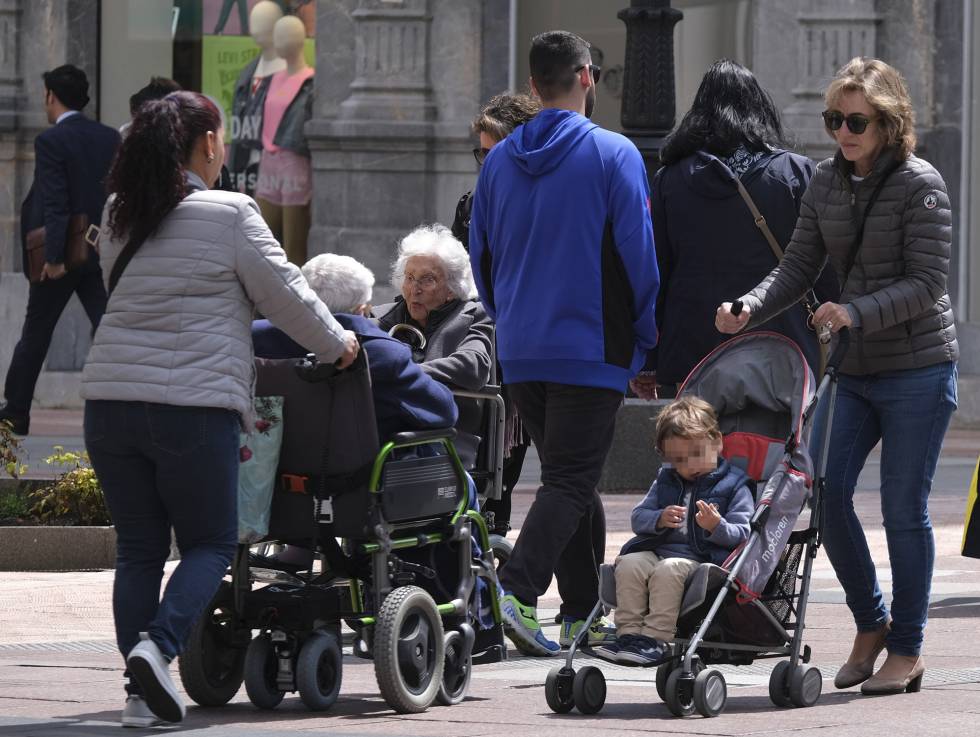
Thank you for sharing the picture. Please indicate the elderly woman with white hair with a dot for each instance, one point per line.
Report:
(438, 298)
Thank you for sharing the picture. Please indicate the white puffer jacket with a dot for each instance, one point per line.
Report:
(177, 329)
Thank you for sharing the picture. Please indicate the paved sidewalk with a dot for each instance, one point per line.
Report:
(60, 674)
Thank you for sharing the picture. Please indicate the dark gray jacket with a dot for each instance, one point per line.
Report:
(896, 289)
(289, 134)
(246, 114)
(458, 350)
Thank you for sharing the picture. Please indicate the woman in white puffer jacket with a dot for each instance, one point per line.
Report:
(169, 376)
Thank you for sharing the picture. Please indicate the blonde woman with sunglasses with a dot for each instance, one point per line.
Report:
(879, 216)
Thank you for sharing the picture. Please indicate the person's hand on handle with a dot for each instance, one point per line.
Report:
(672, 516)
(832, 316)
(350, 350)
(727, 322)
(644, 385)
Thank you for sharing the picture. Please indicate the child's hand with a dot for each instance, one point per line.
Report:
(672, 516)
(707, 516)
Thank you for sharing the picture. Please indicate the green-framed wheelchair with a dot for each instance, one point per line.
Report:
(393, 527)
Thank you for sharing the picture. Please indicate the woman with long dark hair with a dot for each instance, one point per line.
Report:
(708, 244)
(168, 380)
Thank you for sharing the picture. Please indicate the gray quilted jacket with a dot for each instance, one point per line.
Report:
(896, 290)
(177, 329)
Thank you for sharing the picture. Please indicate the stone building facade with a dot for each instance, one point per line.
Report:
(399, 81)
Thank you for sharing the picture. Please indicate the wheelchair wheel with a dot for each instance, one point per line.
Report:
(212, 666)
(409, 650)
(261, 667)
(663, 672)
(805, 685)
(502, 549)
(589, 690)
(457, 671)
(779, 684)
(558, 689)
(679, 694)
(710, 693)
(319, 669)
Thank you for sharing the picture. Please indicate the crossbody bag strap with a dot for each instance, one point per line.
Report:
(809, 299)
(859, 238)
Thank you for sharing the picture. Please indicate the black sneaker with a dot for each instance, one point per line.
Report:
(643, 651)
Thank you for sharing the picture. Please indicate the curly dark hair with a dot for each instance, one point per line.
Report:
(503, 113)
(147, 177)
(730, 110)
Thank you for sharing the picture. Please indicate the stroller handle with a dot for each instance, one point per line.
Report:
(843, 342)
(737, 307)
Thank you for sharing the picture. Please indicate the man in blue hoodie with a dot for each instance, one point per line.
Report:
(562, 251)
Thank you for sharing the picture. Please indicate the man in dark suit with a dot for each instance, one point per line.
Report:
(72, 159)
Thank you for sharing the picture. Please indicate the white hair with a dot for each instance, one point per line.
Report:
(342, 283)
(436, 241)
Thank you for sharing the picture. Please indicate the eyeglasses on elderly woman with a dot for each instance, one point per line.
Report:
(426, 281)
(856, 122)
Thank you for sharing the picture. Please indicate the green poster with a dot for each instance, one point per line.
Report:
(222, 60)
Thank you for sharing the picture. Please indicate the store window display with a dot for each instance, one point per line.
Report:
(285, 178)
(248, 101)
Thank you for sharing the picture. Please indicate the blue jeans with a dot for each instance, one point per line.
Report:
(908, 411)
(164, 466)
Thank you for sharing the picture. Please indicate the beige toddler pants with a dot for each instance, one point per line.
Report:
(649, 590)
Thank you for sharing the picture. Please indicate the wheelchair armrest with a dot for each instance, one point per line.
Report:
(422, 436)
(487, 392)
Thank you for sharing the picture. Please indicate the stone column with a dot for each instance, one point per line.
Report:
(831, 32)
(393, 151)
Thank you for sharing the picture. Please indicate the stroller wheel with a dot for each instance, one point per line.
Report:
(679, 693)
(261, 669)
(589, 690)
(663, 673)
(710, 693)
(559, 689)
(319, 670)
(805, 685)
(212, 665)
(457, 671)
(409, 650)
(779, 684)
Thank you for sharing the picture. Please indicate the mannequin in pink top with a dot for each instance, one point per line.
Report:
(285, 178)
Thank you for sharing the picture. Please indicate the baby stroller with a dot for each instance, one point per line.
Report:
(384, 502)
(753, 606)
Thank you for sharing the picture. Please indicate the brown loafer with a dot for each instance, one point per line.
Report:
(897, 674)
(861, 662)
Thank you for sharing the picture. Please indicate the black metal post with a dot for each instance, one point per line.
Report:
(648, 111)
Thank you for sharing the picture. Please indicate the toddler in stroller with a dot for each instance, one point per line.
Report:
(697, 511)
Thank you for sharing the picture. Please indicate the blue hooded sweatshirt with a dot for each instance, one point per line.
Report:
(561, 245)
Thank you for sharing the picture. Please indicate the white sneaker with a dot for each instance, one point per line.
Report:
(152, 671)
(137, 714)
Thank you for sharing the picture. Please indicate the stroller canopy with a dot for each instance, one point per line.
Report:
(759, 384)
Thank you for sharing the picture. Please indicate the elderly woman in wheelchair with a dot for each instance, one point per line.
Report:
(394, 529)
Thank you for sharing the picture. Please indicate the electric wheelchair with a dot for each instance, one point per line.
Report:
(365, 507)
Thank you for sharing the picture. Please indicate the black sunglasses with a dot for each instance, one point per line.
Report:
(856, 122)
(480, 154)
(595, 70)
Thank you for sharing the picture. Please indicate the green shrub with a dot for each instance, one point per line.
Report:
(10, 452)
(13, 506)
(75, 497)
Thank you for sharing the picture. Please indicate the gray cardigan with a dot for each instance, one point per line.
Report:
(178, 327)
(896, 289)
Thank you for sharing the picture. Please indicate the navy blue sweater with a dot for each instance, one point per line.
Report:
(561, 246)
(404, 397)
(727, 487)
